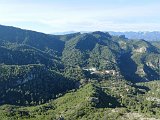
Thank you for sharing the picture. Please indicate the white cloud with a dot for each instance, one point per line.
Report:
(61, 17)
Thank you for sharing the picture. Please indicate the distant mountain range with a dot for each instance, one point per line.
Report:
(149, 36)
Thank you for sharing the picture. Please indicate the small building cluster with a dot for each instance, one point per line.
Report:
(105, 72)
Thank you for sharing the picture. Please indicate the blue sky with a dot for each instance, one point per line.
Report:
(51, 16)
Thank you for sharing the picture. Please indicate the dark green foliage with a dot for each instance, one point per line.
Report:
(24, 55)
(76, 51)
(77, 76)
(105, 52)
(31, 84)
(38, 40)
(93, 102)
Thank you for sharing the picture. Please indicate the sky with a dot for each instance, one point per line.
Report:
(51, 16)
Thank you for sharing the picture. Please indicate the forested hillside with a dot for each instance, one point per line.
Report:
(109, 53)
(77, 76)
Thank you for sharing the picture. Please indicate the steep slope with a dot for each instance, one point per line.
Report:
(135, 60)
(31, 84)
(79, 104)
(156, 44)
(77, 76)
(22, 47)
(75, 52)
(37, 40)
(23, 55)
(142, 59)
(94, 101)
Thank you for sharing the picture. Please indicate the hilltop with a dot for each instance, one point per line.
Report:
(77, 76)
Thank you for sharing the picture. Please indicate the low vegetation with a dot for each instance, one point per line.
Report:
(88, 76)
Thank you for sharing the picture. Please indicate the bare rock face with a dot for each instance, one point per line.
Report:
(93, 99)
(141, 50)
(140, 71)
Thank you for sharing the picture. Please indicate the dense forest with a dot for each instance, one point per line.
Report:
(77, 76)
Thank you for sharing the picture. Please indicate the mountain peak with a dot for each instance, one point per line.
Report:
(102, 34)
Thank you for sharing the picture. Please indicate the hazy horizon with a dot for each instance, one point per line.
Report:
(70, 32)
(85, 15)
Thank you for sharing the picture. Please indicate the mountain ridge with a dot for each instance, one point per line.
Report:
(97, 49)
(149, 36)
(77, 76)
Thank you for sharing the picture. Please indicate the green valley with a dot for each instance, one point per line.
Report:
(79, 76)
